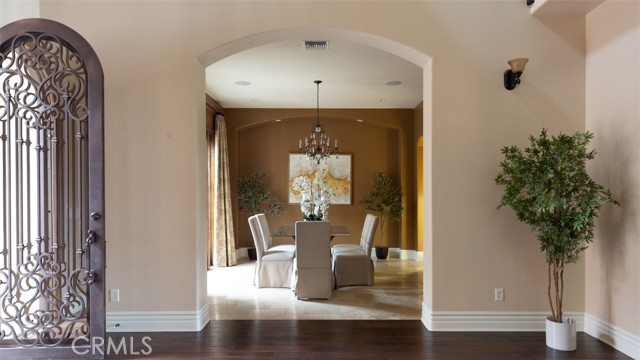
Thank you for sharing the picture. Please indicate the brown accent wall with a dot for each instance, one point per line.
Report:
(212, 107)
(382, 142)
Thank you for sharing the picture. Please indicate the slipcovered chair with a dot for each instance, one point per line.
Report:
(267, 240)
(352, 264)
(363, 240)
(274, 268)
(313, 279)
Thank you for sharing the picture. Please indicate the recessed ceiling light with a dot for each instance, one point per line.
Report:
(359, 120)
(393, 83)
(278, 120)
(243, 82)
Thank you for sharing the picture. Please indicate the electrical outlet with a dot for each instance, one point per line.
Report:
(499, 294)
(114, 295)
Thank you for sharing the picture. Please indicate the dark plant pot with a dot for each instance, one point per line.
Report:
(382, 252)
(252, 254)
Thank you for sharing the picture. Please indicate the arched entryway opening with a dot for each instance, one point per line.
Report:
(398, 49)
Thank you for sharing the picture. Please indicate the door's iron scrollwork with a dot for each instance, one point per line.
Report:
(44, 266)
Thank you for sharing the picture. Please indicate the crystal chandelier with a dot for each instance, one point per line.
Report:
(317, 146)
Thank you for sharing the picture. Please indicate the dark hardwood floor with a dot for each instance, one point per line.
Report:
(356, 339)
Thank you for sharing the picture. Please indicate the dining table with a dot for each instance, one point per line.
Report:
(290, 231)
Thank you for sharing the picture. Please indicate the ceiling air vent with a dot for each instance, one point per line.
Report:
(316, 45)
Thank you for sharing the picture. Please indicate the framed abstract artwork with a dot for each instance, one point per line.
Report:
(336, 171)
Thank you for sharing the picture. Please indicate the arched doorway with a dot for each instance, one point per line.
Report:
(400, 50)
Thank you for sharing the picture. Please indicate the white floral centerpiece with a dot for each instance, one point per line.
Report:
(315, 196)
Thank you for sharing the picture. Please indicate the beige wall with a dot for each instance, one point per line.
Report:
(155, 139)
(475, 247)
(613, 114)
(12, 10)
(382, 142)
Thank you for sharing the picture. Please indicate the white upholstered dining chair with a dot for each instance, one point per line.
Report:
(363, 239)
(351, 263)
(267, 239)
(313, 279)
(274, 268)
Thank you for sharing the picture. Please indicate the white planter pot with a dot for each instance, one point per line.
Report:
(561, 336)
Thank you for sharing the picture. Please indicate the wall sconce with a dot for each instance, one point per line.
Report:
(512, 76)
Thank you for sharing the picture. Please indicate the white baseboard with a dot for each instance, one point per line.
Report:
(490, 320)
(619, 339)
(398, 253)
(157, 321)
(411, 255)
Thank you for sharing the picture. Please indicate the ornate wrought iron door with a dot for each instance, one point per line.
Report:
(52, 244)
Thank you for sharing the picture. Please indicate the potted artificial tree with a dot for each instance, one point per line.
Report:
(255, 198)
(548, 187)
(385, 200)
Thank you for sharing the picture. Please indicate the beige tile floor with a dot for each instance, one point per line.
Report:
(397, 294)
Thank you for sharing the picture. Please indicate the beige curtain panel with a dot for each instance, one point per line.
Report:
(221, 237)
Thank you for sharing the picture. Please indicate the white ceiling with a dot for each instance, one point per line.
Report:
(563, 7)
(281, 75)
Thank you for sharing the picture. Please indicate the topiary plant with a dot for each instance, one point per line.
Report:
(255, 198)
(385, 199)
(548, 187)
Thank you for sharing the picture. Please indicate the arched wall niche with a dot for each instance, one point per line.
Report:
(379, 143)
